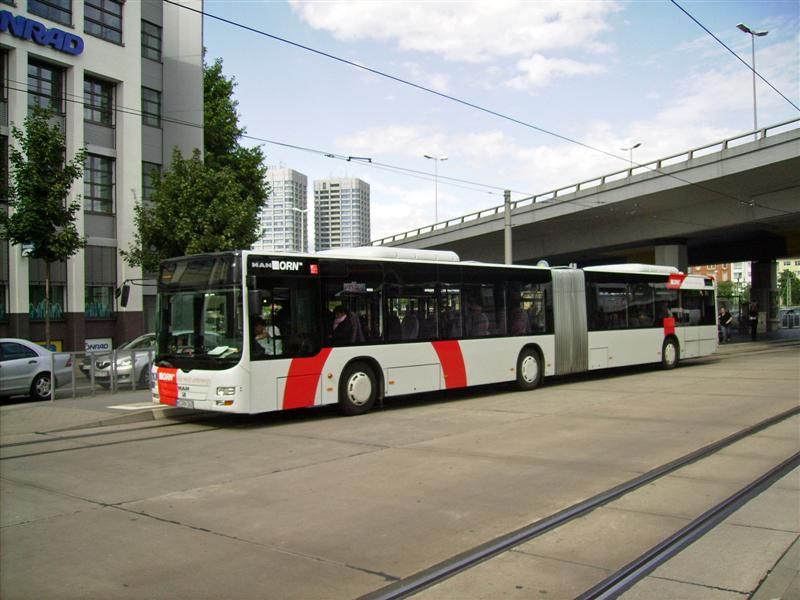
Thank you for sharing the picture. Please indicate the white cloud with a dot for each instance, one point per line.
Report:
(538, 70)
(475, 32)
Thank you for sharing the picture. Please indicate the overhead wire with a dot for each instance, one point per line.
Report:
(417, 174)
(459, 101)
(744, 62)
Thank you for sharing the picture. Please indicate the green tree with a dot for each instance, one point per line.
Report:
(40, 179)
(204, 203)
(789, 288)
(195, 209)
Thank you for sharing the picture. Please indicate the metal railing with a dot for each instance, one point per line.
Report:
(104, 372)
(624, 175)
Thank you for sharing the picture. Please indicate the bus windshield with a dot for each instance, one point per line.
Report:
(200, 322)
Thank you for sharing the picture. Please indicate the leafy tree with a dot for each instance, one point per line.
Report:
(196, 209)
(789, 288)
(204, 203)
(726, 289)
(40, 180)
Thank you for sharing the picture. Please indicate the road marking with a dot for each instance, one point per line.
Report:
(137, 406)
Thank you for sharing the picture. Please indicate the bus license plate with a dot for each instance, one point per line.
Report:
(185, 403)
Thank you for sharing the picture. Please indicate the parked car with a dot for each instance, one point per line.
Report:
(133, 359)
(25, 369)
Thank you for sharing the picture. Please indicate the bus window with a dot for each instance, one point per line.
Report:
(411, 302)
(290, 322)
(641, 305)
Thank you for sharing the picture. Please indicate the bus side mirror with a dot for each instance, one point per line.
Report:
(255, 299)
(123, 292)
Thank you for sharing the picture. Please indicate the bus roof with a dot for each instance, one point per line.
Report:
(634, 268)
(387, 252)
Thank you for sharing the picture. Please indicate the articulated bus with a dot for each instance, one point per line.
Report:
(246, 332)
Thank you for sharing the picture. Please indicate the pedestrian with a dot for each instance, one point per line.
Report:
(753, 316)
(725, 322)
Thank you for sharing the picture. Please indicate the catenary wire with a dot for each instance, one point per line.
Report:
(78, 100)
(463, 102)
(724, 45)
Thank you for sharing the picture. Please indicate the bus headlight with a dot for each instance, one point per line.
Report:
(226, 391)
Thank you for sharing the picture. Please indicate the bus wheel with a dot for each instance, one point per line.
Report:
(358, 389)
(670, 354)
(529, 369)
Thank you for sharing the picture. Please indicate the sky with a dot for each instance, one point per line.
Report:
(604, 74)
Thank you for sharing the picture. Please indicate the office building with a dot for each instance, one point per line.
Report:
(341, 213)
(284, 217)
(126, 82)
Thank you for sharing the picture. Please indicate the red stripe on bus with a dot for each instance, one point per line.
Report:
(669, 325)
(452, 361)
(303, 379)
(167, 385)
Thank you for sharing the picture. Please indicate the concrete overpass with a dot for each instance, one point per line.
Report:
(734, 200)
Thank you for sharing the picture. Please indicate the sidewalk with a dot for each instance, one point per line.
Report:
(82, 412)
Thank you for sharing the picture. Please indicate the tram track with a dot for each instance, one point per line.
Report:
(620, 580)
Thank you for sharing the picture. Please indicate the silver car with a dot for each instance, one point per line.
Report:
(26, 369)
(132, 360)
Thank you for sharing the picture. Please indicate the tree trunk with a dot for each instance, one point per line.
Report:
(47, 302)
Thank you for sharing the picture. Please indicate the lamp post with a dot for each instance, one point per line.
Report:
(753, 35)
(436, 160)
(630, 152)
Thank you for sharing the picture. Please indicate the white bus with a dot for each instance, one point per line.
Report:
(246, 332)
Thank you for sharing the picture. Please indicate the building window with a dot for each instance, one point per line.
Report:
(98, 184)
(148, 171)
(151, 40)
(100, 264)
(46, 86)
(55, 10)
(151, 107)
(58, 286)
(103, 19)
(98, 101)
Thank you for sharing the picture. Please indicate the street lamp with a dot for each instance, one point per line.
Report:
(753, 35)
(630, 152)
(436, 160)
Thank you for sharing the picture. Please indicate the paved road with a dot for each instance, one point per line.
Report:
(311, 505)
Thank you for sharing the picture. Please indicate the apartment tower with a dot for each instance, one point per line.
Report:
(341, 213)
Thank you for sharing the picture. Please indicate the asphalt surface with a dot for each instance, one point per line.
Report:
(754, 553)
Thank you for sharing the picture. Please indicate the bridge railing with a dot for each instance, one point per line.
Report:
(617, 176)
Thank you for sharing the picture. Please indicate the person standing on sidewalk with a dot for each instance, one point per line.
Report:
(753, 316)
(725, 321)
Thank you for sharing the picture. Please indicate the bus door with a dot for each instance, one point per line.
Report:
(569, 319)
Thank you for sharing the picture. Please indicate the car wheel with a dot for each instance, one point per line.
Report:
(358, 389)
(529, 369)
(144, 377)
(41, 386)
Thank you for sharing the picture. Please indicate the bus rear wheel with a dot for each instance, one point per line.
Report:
(358, 389)
(529, 369)
(670, 354)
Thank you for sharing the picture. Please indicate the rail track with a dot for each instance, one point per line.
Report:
(648, 560)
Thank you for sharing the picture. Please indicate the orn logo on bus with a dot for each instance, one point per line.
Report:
(170, 377)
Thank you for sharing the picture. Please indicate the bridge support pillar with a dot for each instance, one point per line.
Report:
(764, 292)
(673, 255)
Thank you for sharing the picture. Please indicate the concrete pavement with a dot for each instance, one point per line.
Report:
(731, 545)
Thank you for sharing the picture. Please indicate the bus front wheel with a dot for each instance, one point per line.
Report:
(670, 354)
(358, 389)
(529, 369)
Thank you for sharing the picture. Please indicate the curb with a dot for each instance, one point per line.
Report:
(145, 415)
